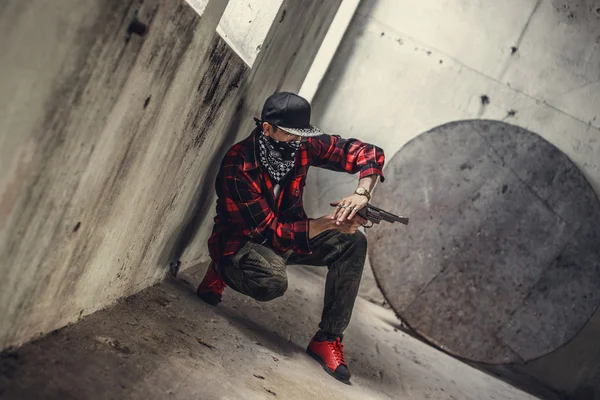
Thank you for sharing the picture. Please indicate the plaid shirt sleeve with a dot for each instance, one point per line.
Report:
(248, 208)
(346, 155)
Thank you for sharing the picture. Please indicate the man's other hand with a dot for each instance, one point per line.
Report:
(349, 225)
(327, 222)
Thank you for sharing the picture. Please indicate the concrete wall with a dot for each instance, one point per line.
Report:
(110, 141)
(405, 67)
(245, 24)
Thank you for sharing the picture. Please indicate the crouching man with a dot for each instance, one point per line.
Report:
(261, 226)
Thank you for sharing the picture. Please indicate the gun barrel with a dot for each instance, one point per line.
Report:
(389, 217)
(403, 220)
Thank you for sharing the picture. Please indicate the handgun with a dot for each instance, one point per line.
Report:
(376, 215)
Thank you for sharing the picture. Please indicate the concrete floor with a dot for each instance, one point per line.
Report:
(165, 343)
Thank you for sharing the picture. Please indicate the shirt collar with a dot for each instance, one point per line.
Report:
(250, 158)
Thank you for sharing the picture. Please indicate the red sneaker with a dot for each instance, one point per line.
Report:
(330, 354)
(212, 286)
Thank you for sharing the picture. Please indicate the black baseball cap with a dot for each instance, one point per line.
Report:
(290, 113)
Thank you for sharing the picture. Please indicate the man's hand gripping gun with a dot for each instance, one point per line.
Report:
(376, 215)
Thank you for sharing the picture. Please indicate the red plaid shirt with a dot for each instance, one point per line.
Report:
(246, 208)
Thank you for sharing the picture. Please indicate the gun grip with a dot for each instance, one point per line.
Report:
(362, 213)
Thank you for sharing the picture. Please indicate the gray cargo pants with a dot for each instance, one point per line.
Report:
(260, 272)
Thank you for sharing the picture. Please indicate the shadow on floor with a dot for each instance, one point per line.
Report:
(236, 317)
(287, 324)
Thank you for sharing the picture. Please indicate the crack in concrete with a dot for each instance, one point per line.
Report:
(521, 37)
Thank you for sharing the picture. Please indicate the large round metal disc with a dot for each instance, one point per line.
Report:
(501, 260)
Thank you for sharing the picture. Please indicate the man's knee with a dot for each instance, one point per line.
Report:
(357, 250)
(359, 242)
(271, 288)
(360, 239)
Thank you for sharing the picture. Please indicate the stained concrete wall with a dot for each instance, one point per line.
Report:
(245, 23)
(405, 67)
(110, 141)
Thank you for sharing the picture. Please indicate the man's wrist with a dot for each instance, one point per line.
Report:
(362, 191)
(368, 183)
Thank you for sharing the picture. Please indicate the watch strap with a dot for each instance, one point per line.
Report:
(363, 192)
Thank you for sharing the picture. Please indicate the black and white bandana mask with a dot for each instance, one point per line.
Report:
(277, 157)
